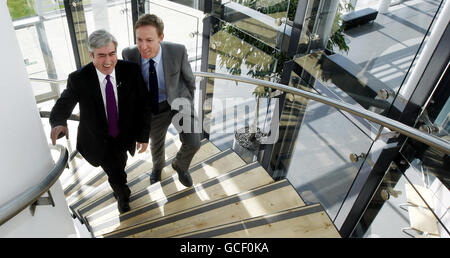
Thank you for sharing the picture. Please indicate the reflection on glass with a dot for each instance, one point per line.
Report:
(313, 150)
(262, 19)
(386, 47)
(372, 60)
(42, 34)
(409, 204)
(182, 24)
(234, 52)
(238, 57)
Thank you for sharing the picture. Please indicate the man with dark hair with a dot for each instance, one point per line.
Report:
(114, 112)
(170, 81)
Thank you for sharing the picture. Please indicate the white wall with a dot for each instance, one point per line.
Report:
(24, 153)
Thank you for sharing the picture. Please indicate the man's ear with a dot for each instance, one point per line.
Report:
(91, 54)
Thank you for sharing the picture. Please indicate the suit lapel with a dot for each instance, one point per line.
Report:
(96, 93)
(120, 84)
(166, 64)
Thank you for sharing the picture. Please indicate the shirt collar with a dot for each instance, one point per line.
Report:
(102, 76)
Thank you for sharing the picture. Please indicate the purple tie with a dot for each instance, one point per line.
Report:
(111, 109)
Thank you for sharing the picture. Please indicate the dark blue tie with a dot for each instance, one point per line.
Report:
(153, 86)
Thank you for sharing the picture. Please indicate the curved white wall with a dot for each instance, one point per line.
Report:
(25, 157)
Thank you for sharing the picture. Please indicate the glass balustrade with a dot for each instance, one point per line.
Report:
(413, 203)
(314, 149)
(264, 20)
(182, 24)
(373, 58)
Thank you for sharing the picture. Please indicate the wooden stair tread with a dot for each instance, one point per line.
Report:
(213, 166)
(139, 182)
(99, 176)
(236, 181)
(72, 181)
(300, 222)
(96, 184)
(257, 202)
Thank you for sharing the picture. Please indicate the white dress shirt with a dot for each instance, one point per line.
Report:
(102, 81)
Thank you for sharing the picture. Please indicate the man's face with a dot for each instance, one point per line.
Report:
(148, 41)
(105, 58)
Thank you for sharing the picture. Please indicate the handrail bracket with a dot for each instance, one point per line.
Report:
(42, 201)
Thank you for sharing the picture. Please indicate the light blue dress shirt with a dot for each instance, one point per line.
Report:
(159, 73)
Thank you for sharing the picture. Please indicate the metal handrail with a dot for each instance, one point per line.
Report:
(394, 125)
(47, 80)
(371, 116)
(28, 197)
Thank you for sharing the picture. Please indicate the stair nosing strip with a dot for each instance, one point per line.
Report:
(179, 195)
(102, 173)
(211, 206)
(167, 181)
(260, 221)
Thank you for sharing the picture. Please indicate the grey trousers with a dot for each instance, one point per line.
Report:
(190, 142)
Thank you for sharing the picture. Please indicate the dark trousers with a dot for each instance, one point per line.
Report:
(159, 126)
(114, 164)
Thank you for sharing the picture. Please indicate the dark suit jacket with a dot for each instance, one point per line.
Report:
(134, 110)
(178, 77)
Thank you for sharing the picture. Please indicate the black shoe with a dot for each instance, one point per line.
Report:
(155, 176)
(122, 195)
(183, 176)
(122, 205)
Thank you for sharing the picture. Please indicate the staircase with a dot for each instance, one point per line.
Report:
(229, 198)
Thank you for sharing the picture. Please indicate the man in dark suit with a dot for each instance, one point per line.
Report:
(114, 112)
(170, 81)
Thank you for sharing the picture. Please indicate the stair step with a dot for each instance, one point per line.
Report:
(213, 166)
(139, 182)
(242, 179)
(67, 177)
(96, 184)
(300, 222)
(82, 173)
(257, 202)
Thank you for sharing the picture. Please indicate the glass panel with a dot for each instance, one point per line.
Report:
(374, 56)
(234, 115)
(43, 37)
(183, 25)
(329, 79)
(91, 15)
(230, 54)
(264, 20)
(314, 147)
(409, 204)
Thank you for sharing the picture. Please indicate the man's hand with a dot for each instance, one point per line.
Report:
(58, 132)
(141, 146)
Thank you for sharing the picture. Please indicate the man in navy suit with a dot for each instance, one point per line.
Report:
(114, 112)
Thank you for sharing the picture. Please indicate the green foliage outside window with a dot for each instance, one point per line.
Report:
(21, 8)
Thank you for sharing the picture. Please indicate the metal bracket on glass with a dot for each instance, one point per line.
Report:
(427, 126)
(280, 21)
(42, 201)
(386, 93)
(355, 158)
(387, 135)
(193, 34)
